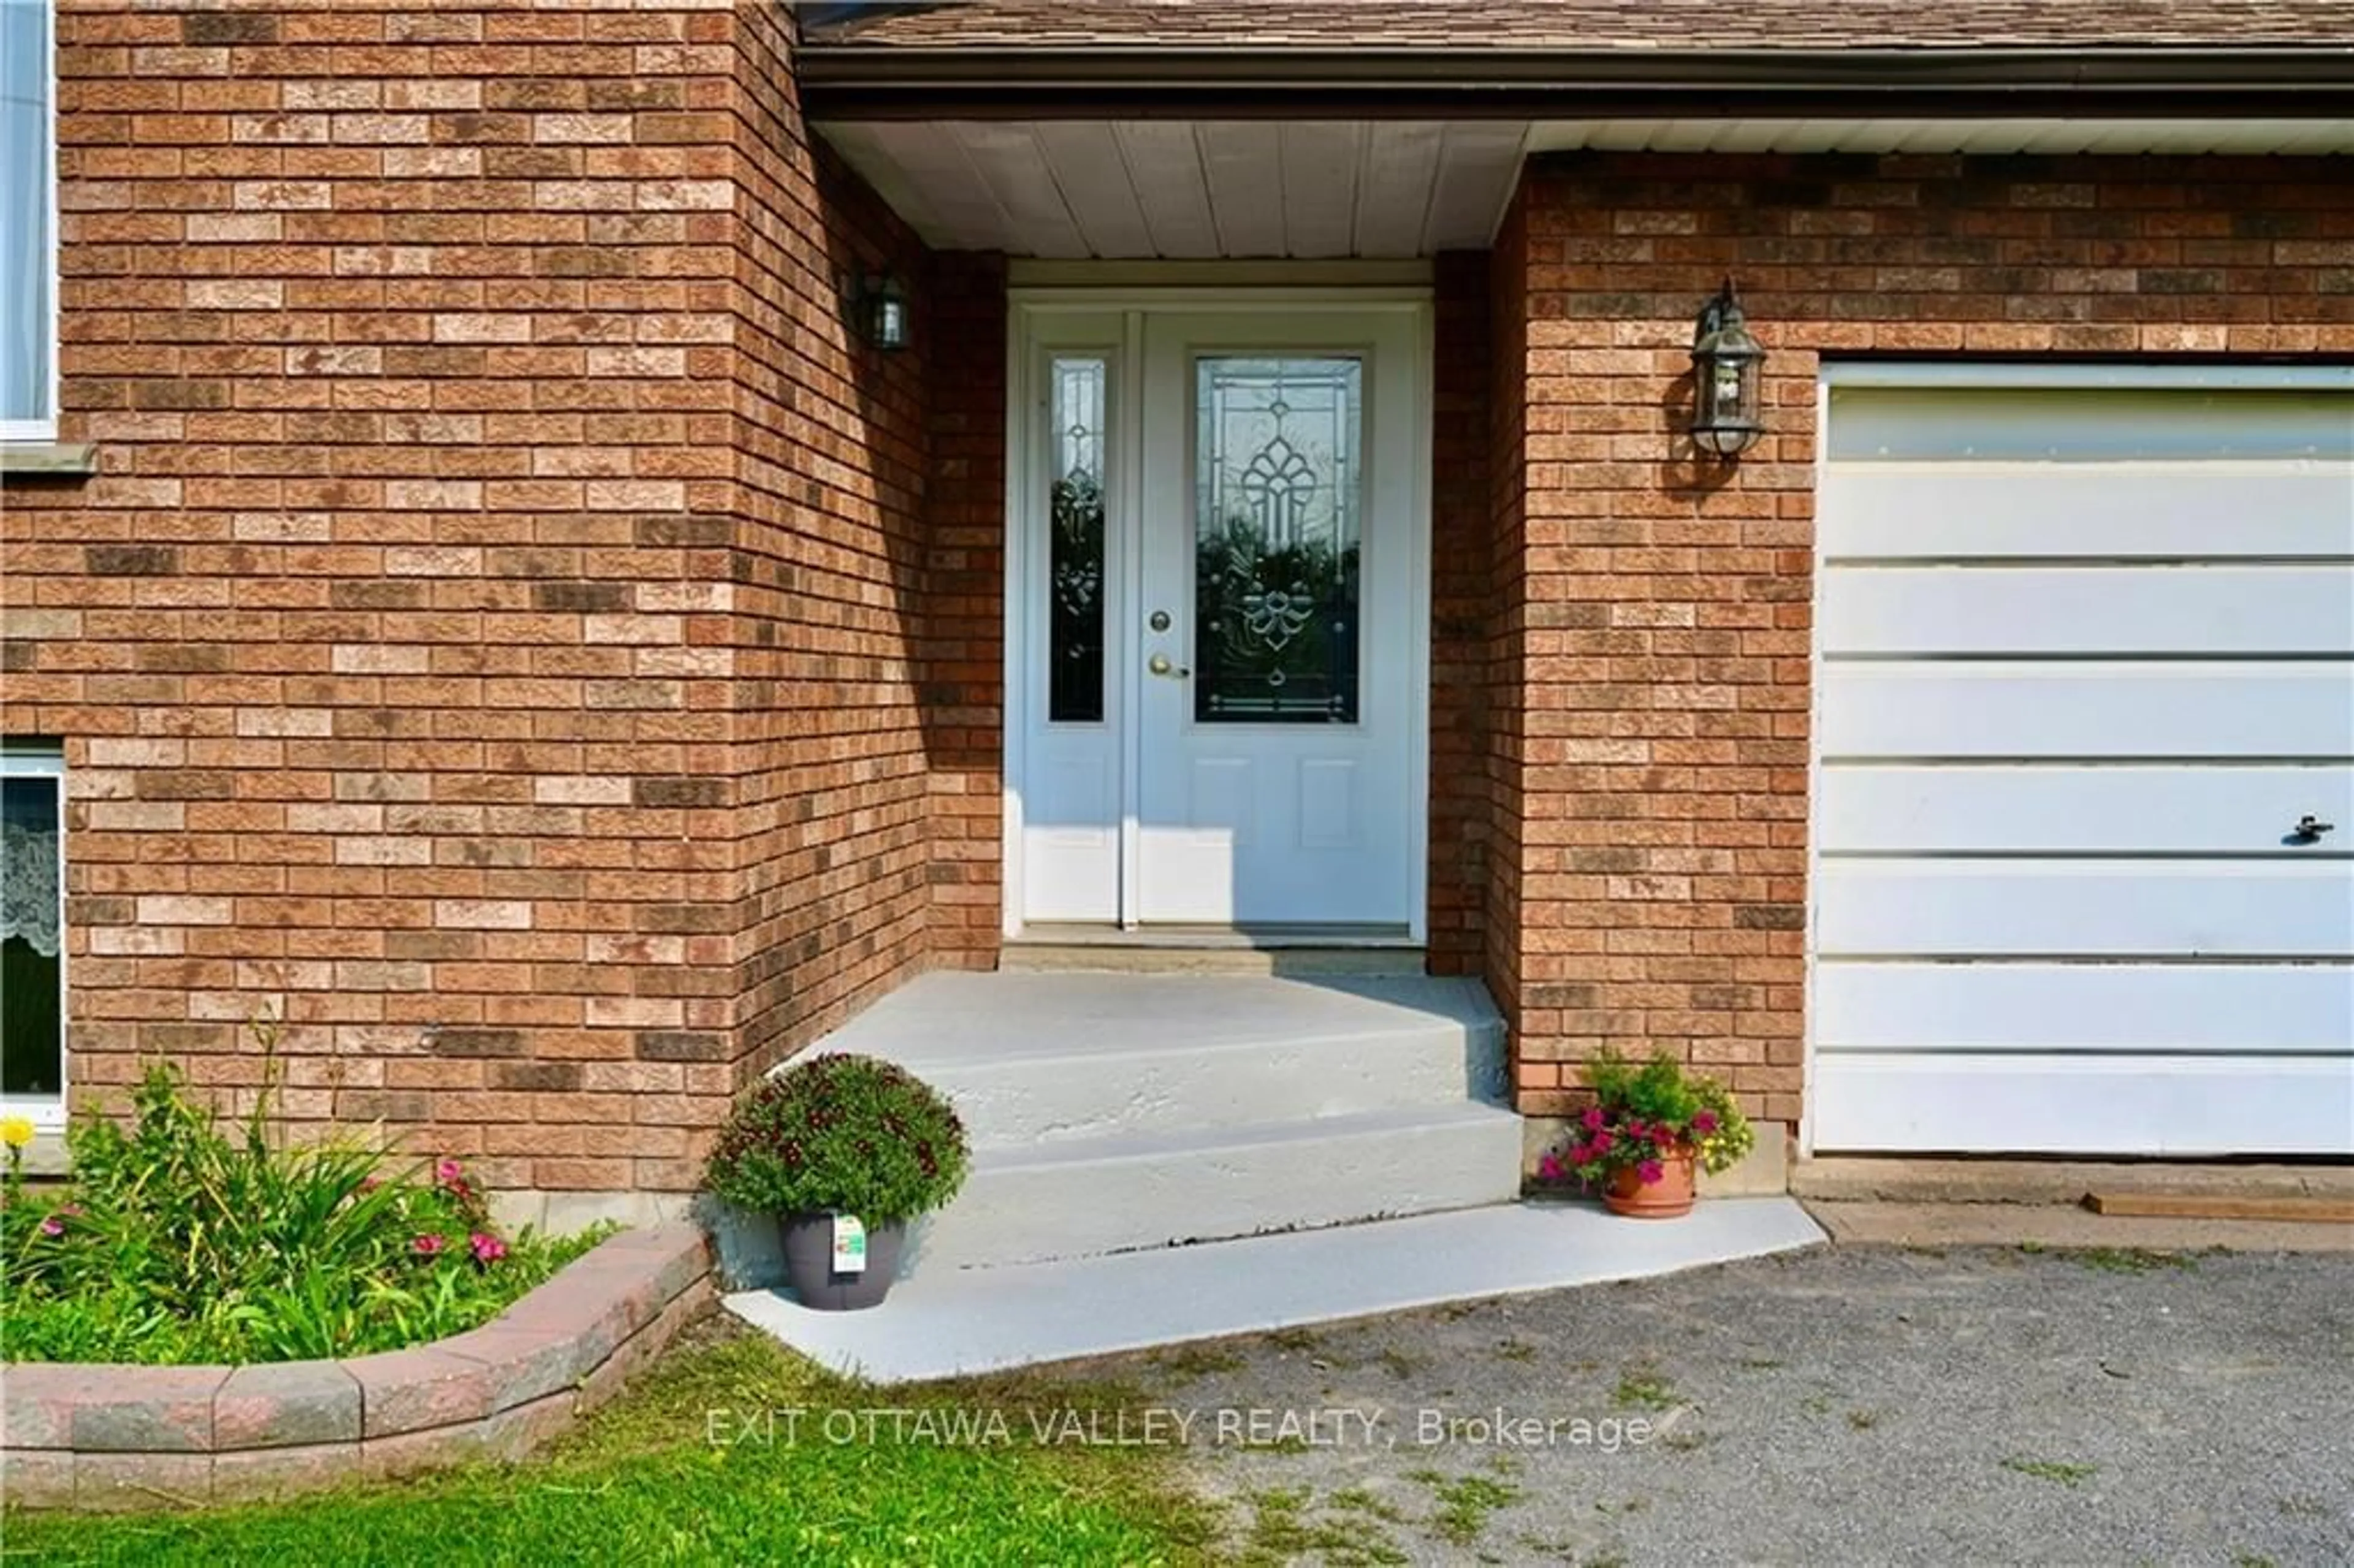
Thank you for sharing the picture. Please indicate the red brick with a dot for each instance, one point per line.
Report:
(1617, 559)
(467, 399)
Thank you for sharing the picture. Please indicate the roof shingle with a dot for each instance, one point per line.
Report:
(1518, 26)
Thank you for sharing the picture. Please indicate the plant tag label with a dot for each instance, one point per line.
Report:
(849, 1244)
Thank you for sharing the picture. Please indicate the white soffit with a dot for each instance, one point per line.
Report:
(1325, 189)
(1136, 190)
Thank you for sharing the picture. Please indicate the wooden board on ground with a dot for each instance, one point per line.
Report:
(2196, 1206)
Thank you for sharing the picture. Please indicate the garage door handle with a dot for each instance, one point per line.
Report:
(2310, 828)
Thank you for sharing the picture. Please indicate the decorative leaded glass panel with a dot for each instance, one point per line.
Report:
(1075, 557)
(1277, 530)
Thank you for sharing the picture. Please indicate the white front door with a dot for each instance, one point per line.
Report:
(1221, 627)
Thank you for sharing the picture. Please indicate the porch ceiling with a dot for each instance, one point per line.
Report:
(1179, 189)
(1325, 189)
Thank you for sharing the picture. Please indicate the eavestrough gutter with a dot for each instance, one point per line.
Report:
(850, 82)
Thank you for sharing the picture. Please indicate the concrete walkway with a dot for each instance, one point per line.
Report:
(945, 1322)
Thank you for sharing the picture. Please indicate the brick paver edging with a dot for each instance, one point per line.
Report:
(106, 1436)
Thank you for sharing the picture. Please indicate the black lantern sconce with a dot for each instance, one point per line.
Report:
(874, 305)
(1726, 418)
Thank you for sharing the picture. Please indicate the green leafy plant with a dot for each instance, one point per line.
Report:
(1641, 1114)
(842, 1134)
(181, 1240)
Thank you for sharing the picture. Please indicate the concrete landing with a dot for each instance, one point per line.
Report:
(952, 1020)
(951, 1322)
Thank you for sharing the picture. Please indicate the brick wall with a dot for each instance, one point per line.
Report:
(964, 653)
(491, 639)
(1460, 612)
(830, 773)
(1505, 725)
(1665, 670)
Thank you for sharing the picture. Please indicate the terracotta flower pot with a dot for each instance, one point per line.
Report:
(1669, 1198)
(809, 1264)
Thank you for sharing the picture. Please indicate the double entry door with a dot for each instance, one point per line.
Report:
(1218, 613)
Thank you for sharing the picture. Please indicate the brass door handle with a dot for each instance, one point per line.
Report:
(1159, 664)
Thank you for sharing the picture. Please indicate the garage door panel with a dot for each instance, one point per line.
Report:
(2025, 708)
(1966, 426)
(2087, 656)
(2182, 1106)
(2086, 908)
(2110, 611)
(1961, 511)
(2221, 1009)
(1996, 809)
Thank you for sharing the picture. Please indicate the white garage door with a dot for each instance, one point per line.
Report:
(2088, 659)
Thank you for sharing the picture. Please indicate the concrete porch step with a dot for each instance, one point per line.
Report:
(952, 1323)
(1111, 1112)
(1033, 1059)
(1101, 1195)
(1294, 949)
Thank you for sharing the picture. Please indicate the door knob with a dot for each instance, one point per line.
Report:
(2310, 828)
(1159, 665)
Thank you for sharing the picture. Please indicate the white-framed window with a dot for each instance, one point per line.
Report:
(28, 222)
(32, 932)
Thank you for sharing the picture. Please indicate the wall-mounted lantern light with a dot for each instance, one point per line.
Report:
(1725, 362)
(874, 305)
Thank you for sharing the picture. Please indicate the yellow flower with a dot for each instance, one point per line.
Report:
(15, 1131)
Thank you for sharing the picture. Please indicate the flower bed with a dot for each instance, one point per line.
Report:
(147, 1436)
(181, 1240)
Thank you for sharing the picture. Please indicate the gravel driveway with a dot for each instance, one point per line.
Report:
(1844, 1406)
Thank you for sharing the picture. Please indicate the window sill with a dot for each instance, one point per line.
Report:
(47, 460)
(45, 1155)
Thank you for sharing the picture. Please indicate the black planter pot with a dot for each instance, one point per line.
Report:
(809, 1264)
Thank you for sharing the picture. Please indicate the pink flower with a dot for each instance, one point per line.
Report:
(448, 1173)
(1593, 1118)
(488, 1248)
(426, 1245)
(1601, 1144)
(1651, 1170)
(1704, 1123)
(1549, 1169)
(53, 1227)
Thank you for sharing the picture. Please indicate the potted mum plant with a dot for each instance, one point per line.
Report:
(1650, 1130)
(843, 1151)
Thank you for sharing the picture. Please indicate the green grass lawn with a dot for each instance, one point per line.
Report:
(644, 1482)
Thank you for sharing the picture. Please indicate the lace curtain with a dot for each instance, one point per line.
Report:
(28, 885)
